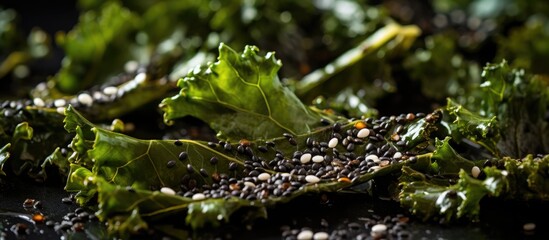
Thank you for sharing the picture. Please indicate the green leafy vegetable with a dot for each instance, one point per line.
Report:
(214, 94)
(4, 155)
(509, 118)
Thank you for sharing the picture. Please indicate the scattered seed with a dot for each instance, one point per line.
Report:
(110, 90)
(264, 177)
(305, 158)
(263, 149)
(292, 141)
(363, 133)
(379, 230)
(183, 156)
(410, 116)
(213, 160)
(167, 190)
(228, 147)
(39, 102)
(344, 179)
(170, 164)
(59, 102)
(66, 200)
(233, 166)
(29, 202)
(305, 235)
(198, 196)
(360, 125)
(374, 158)
(397, 155)
(85, 99)
(312, 179)
(204, 173)
(336, 127)
(333, 143)
(318, 159)
(244, 142)
(395, 137)
(249, 184)
(325, 121)
(190, 168)
(475, 171)
(529, 227)
(212, 144)
(38, 218)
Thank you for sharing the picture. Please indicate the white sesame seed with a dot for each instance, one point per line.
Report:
(110, 90)
(475, 171)
(321, 236)
(60, 110)
(41, 86)
(131, 66)
(373, 157)
(333, 143)
(199, 196)
(363, 133)
(167, 190)
(379, 230)
(264, 176)
(39, 102)
(85, 99)
(140, 77)
(305, 235)
(285, 174)
(397, 155)
(318, 159)
(98, 95)
(375, 168)
(312, 179)
(249, 184)
(59, 103)
(305, 158)
(529, 227)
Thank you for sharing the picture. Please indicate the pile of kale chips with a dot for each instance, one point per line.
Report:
(254, 70)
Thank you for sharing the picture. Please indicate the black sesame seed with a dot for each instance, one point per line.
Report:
(212, 144)
(66, 200)
(170, 164)
(183, 156)
(177, 143)
(309, 142)
(232, 166)
(287, 135)
(292, 141)
(50, 223)
(213, 160)
(350, 147)
(263, 149)
(270, 143)
(336, 127)
(325, 121)
(203, 172)
(190, 168)
(240, 149)
(412, 159)
(228, 147)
